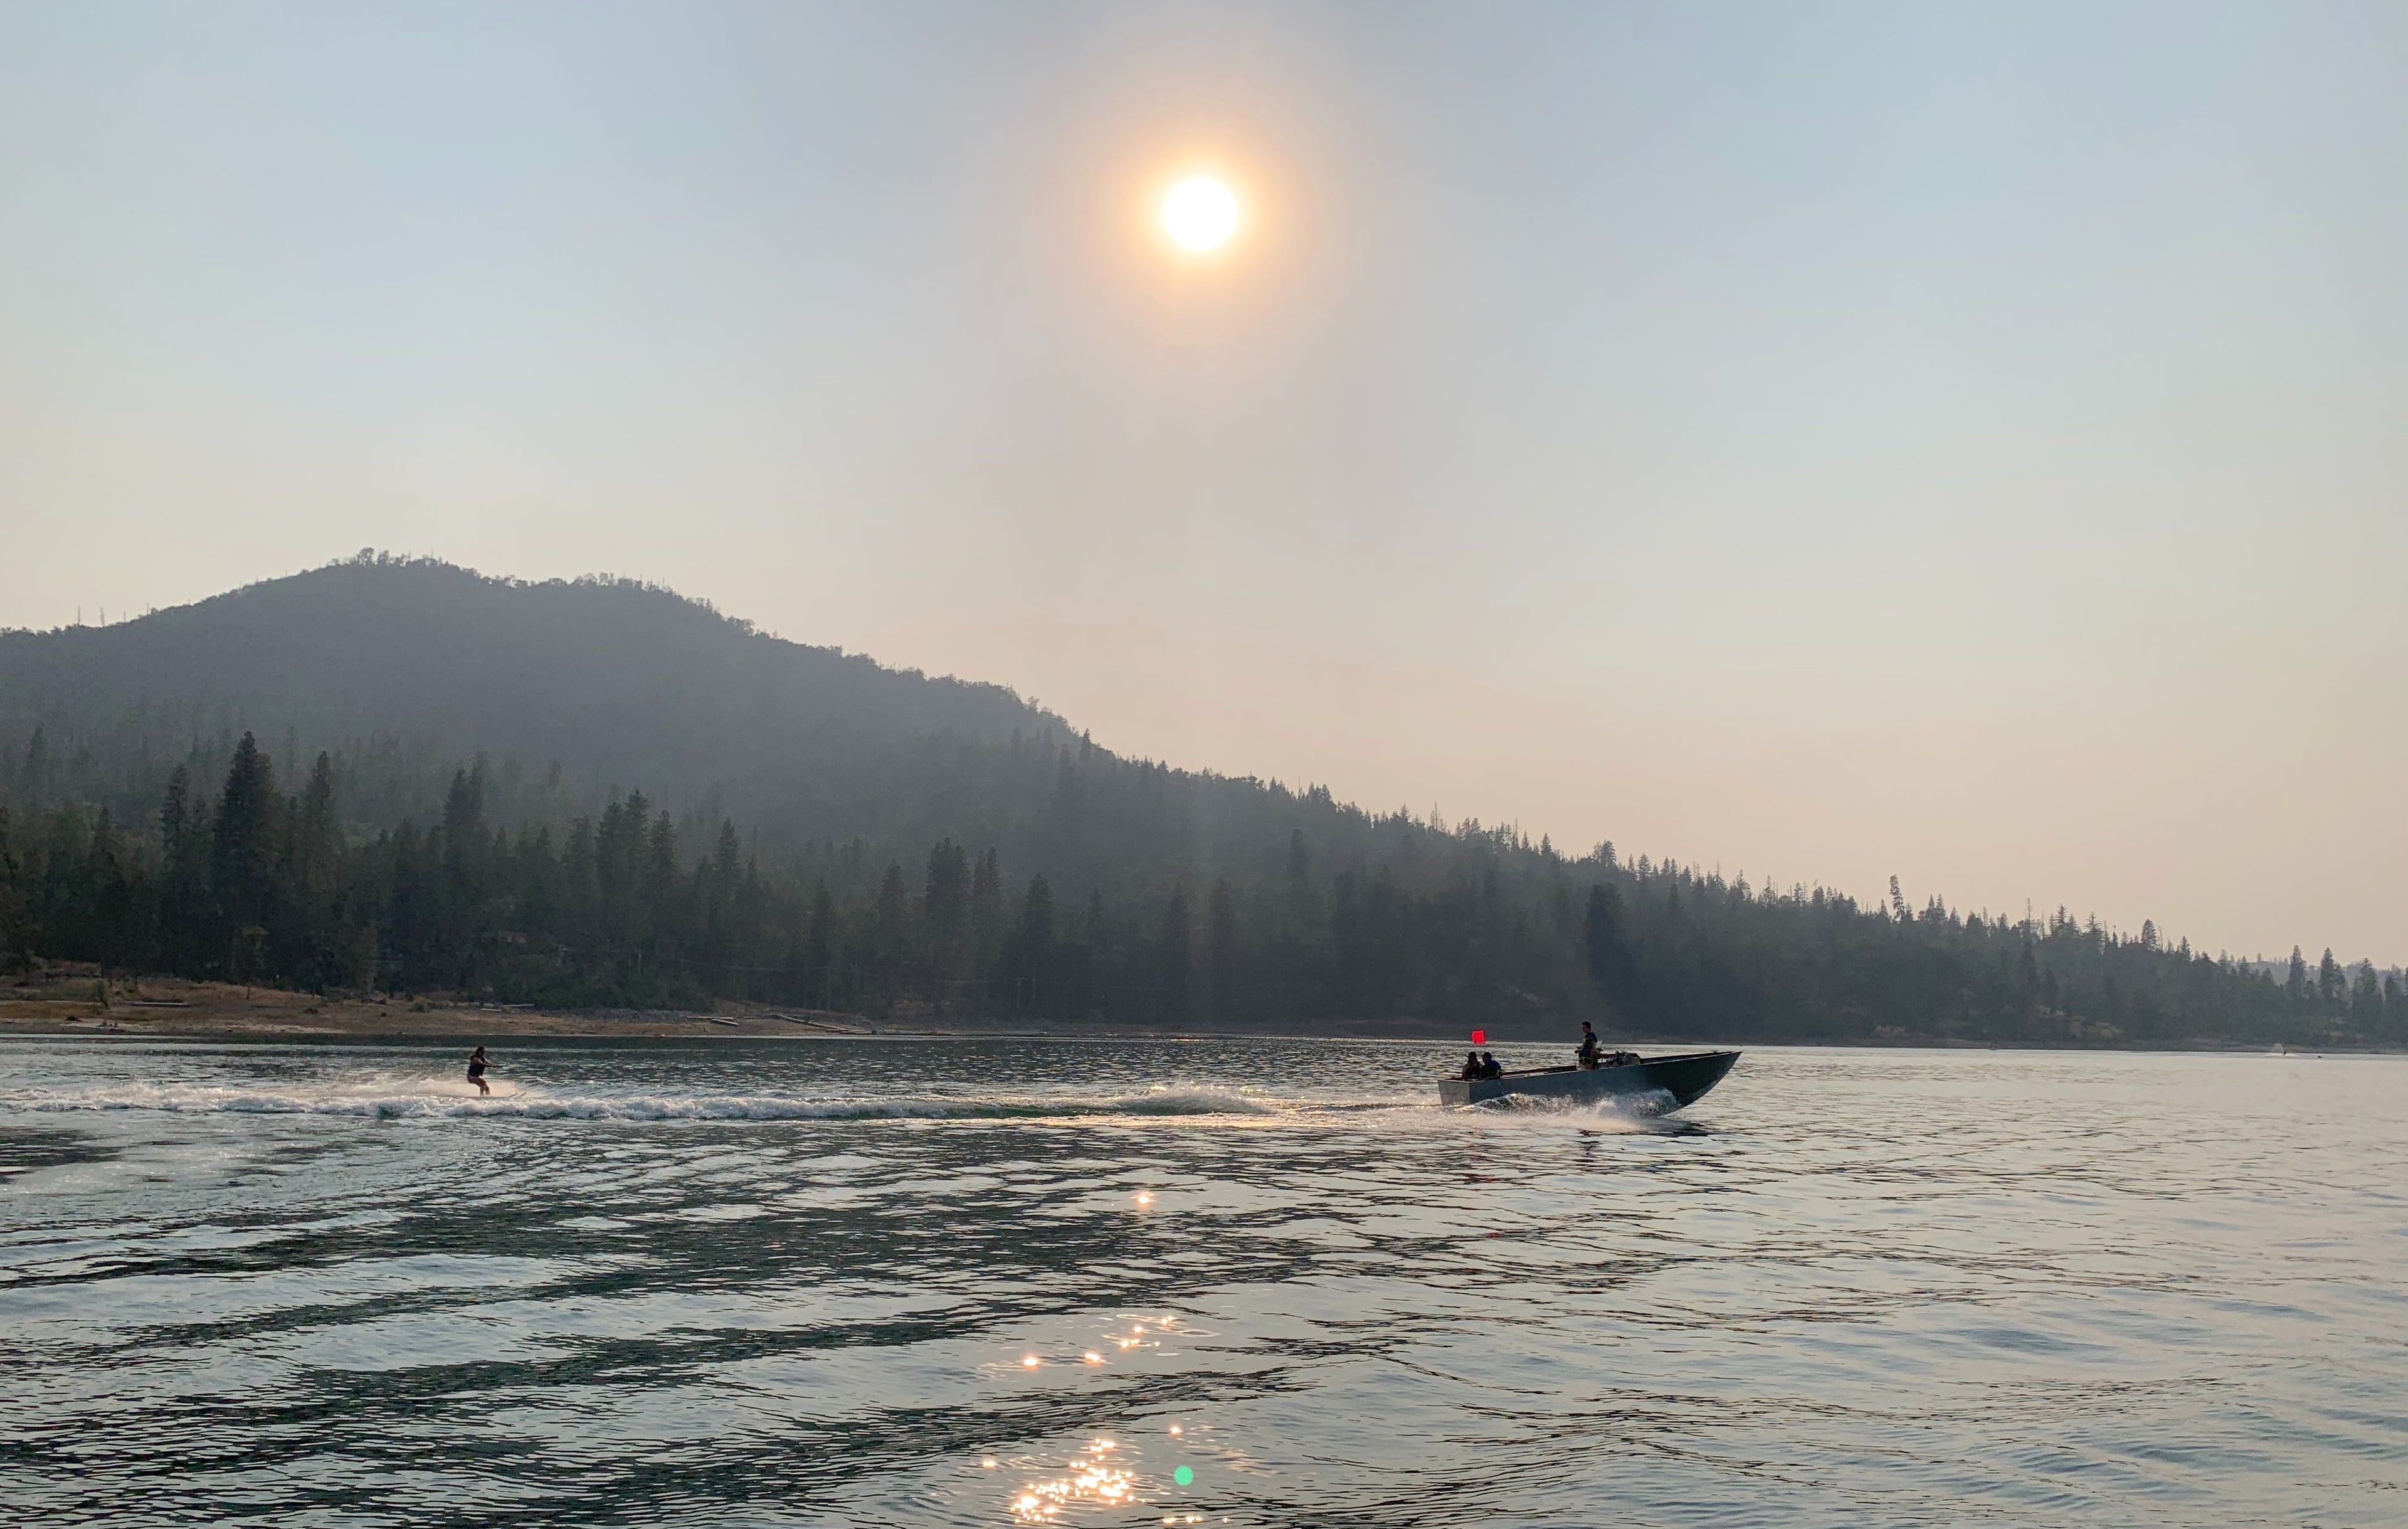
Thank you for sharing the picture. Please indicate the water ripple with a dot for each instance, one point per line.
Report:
(854, 1282)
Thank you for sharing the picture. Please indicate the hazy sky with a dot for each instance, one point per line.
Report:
(1968, 442)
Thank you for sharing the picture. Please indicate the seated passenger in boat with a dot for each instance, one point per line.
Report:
(1490, 1066)
(1471, 1068)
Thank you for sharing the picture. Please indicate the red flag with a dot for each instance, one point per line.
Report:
(1480, 1037)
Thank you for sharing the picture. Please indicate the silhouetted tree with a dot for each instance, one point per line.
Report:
(1221, 955)
(242, 862)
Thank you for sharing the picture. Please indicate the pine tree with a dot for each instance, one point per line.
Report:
(242, 862)
(720, 886)
(460, 899)
(1608, 958)
(317, 842)
(1173, 959)
(16, 942)
(986, 911)
(2365, 999)
(316, 951)
(617, 872)
(118, 902)
(183, 889)
(1095, 940)
(660, 893)
(944, 893)
(944, 913)
(1029, 964)
(1221, 958)
(891, 933)
(819, 951)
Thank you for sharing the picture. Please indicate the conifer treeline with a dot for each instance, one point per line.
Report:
(1468, 926)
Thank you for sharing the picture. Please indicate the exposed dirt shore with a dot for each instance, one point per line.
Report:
(74, 1002)
(172, 1008)
(70, 1000)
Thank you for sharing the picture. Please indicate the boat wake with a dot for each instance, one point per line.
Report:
(452, 1099)
(1647, 1105)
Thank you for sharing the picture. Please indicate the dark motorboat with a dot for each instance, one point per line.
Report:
(1679, 1080)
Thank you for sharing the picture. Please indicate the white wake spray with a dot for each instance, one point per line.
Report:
(388, 1097)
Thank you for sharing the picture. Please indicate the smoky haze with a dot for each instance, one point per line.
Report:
(1962, 445)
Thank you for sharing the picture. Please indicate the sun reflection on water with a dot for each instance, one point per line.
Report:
(1091, 1482)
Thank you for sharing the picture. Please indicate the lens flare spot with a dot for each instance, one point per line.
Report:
(1184, 1475)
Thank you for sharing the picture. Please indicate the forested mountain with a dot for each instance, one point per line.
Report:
(402, 668)
(405, 776)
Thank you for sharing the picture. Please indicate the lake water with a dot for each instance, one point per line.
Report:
(893, 1282)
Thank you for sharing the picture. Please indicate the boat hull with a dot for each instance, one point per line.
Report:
(1685, 1078)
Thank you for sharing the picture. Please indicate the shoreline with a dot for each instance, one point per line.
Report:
(449, 1028)
(175, 1009)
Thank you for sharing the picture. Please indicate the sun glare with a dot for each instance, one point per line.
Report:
(1200, 213)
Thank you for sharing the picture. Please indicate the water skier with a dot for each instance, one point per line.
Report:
(477, 1070)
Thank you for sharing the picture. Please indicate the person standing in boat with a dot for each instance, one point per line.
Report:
(477, 1070)
(1587, 1055)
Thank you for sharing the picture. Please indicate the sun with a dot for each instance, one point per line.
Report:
(1199, 213)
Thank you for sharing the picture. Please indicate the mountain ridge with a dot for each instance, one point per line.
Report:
(313, 652)
(599, 791)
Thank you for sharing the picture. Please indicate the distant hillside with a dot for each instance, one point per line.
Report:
(598, 792)
(619, 682)
(576, 692)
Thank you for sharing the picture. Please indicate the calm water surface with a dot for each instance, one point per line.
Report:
(985, 1283)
